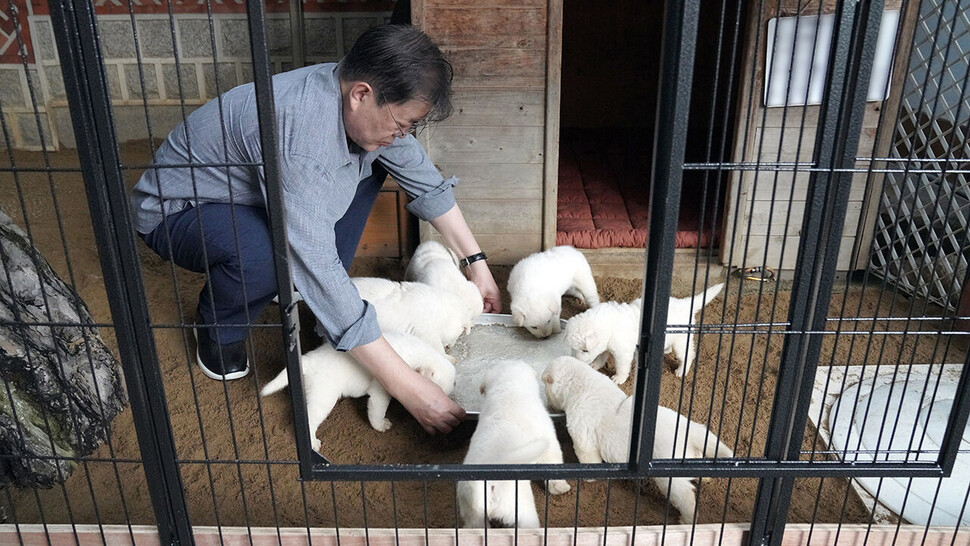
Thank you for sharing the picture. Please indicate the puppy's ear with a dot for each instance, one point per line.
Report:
(547, 377)
(426, 371)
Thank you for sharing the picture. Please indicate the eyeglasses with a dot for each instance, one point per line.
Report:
(402, 130)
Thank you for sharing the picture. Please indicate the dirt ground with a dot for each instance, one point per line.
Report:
(236, 450)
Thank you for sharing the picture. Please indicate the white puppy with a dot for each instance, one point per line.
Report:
(613, 328)
(538, 282)
(329, 375)
(436, 265)
(599, 417)
(514, 427)
(683, 311)
(436, 316)
(610, 328)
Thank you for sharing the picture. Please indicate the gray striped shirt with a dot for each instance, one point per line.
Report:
(319, 175)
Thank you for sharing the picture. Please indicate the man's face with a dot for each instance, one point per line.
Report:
(371, 126)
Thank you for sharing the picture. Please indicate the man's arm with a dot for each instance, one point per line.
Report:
(452, 226)
(434, 201)
(350, 323)
(420, 396)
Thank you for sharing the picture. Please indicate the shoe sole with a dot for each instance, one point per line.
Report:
(209, 373)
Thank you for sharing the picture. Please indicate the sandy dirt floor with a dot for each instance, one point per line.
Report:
(236, 450)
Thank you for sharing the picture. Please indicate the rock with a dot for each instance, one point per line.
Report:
(60, 385)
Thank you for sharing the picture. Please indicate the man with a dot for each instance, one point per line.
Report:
(341, 127)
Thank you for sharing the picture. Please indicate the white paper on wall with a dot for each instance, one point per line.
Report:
(798, 54)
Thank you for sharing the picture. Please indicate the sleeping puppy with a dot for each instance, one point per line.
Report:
(538, 282)
(436, 316)
(610, 328)
(514, 427)
(435, 265)
(599, 417)
(329, 375)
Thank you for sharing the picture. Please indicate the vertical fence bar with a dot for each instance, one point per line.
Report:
(839, 128)
(75, 30)
(673, 105)
(297, 34)
(289, 316)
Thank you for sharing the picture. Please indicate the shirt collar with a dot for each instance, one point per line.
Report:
(332, 100)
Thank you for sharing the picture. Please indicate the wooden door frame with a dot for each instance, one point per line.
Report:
(550, 169)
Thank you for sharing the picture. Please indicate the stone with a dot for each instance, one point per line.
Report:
(117, 39)
(43, 37)
(235, 38)
(60, 386)
(141, 83)
(227, 79)
(354, 27)
(196, 39)
(32, 139)
(189, 88)
(321, 38)
(11, 88)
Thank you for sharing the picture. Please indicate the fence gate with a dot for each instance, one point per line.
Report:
(841, 397)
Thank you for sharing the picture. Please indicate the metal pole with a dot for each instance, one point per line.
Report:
(75, 31)
(673, 105)
(289, 316)
(297, 34)
(838, 132)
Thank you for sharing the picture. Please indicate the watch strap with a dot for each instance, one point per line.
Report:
(472, 259)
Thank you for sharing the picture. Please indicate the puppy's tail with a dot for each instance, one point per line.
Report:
(702, 299)
(276, 384)
(706, 442)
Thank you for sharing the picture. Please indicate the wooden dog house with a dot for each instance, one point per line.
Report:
(544, 86)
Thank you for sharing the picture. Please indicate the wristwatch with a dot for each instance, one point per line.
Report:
(471, 259)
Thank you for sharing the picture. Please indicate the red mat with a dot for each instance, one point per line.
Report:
(603, 185)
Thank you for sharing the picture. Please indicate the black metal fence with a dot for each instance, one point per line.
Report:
(841, 393)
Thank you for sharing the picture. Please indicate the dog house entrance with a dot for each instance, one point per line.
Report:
(610, 71)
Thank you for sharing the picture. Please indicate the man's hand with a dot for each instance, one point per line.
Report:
(428, 404)
(420, 396)
(481, 275)
(452, 226)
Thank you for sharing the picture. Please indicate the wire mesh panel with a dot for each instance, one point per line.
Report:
(891, 366)
(920, 242)
(63, 397)
(762, 371)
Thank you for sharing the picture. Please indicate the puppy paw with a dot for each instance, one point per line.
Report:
(680, 370)
(451, 359)
(620, 379)
(383, 426)
(558, 487)
(315, 444)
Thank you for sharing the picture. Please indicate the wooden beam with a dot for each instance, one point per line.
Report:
(712, 534)
(550, 174)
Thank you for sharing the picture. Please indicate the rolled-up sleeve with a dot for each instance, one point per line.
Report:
(414, 171)
(434, 202)
(314, 201)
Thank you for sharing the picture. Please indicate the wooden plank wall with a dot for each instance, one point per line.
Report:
(763, 211)
(495, 142)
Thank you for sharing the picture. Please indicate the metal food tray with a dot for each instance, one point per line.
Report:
(493, 338)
